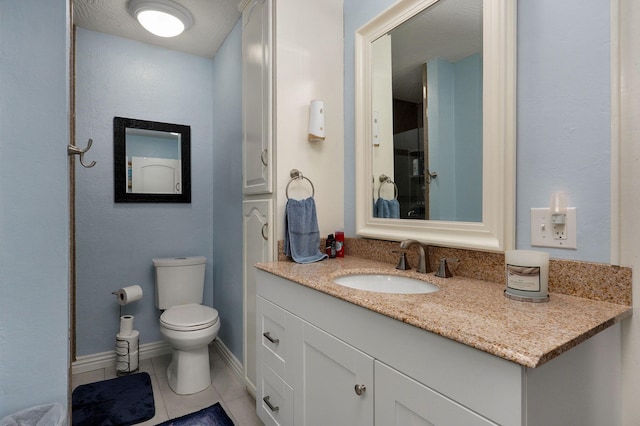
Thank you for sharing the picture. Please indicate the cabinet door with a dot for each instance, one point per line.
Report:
(257, 247)
(401, 401)
(325, 392)
(256, 98)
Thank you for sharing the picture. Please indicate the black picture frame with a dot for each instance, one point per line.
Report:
(120, 125)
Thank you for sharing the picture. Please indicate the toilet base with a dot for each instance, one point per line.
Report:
(189, 371)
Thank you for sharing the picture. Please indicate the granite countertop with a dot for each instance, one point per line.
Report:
(473, 312)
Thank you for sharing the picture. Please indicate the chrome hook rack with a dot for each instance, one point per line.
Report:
(74, 150)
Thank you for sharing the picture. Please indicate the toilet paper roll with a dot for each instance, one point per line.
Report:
(128, 363)
(126, 325)
(127, 353)
(134, 359)
(127, 343)
(129, 294)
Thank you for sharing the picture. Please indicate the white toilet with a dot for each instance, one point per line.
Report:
(185, 324)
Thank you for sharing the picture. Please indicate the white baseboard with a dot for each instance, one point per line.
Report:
(229, 358)
(108, 359)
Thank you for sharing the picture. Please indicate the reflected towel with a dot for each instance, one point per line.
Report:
(301, 233)
(389, 209)
(382, 208)
(394, 209)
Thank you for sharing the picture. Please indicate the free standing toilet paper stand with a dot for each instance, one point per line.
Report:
(127, 353)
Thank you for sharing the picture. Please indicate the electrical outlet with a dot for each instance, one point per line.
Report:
(546, 233)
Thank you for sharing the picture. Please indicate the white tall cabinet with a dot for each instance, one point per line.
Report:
(280, 77)
(257, 164)
(257, 94)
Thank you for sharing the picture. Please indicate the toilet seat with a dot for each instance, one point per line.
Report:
(188, 317)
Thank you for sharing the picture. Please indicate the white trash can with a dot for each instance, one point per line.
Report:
(40, 415)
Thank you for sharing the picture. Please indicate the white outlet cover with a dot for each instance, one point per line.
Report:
(542, 229)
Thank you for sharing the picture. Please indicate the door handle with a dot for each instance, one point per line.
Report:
(267, 335)
(270, 405)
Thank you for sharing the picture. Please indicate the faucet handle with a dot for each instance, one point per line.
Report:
(443, 269)
(403, 263)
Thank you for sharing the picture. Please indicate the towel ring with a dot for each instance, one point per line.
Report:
(297, 175)
(386, 179)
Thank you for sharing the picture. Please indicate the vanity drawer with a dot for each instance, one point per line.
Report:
(276, 399)
(276, 331)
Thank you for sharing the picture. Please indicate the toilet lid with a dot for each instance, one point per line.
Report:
(189, 317)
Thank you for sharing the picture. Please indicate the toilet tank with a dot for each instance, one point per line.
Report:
(179, 280)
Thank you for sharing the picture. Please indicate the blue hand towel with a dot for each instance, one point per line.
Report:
(394, 209)
(386, 209)
(382, 208)
(301, 233)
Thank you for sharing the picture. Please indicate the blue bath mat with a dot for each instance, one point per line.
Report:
(125, 400)
(210, 416)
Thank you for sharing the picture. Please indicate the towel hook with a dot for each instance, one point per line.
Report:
(74, 150)
(386, 179)
(295, 174)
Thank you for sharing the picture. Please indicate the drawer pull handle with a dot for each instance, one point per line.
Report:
(269, 404)
(360, 389)
(269, 338)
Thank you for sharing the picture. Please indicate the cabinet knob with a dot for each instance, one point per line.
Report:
(270, 405)
(360, 389)
(267, 335)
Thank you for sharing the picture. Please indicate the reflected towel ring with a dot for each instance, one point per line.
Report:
(386, 179)
(297, 175)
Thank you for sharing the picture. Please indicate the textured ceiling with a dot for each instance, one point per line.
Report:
(213, 21)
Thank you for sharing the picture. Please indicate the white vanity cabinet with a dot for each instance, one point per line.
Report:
(328, 346)
(293, 354)
(257, 93)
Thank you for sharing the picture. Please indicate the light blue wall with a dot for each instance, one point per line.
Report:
(442, 135)
(564, 123)
(454, 99)
(227, 189)
(116, 242)
(468, 109)
(563, 116)
(34, 235)
(151, 146)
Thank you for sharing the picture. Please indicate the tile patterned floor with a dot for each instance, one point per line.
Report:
(226, 388)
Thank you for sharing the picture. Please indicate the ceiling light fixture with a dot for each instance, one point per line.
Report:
(163, 18)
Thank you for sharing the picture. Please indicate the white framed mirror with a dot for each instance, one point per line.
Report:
(464, 198)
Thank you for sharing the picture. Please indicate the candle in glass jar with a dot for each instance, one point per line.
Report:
(527, 275)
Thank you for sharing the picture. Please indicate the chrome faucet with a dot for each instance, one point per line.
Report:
(423, 265)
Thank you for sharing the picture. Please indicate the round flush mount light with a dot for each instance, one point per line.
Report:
(163, 18)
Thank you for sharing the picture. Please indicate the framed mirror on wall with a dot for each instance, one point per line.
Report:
(151, 161)
(435, 123)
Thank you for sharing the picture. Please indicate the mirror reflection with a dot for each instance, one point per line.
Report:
(151, 161)
(427, 143)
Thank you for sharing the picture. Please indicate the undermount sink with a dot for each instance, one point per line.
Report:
(386, 283)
